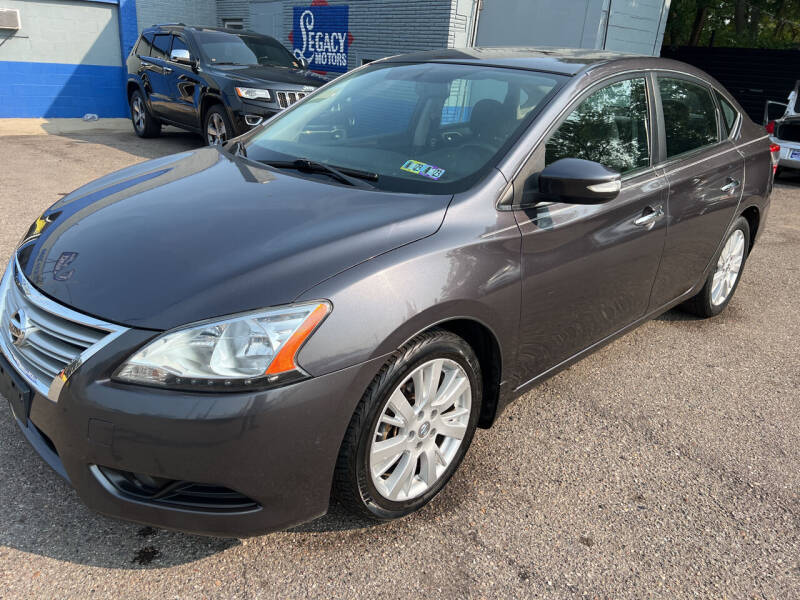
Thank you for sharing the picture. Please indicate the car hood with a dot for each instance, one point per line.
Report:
(264, 74)
(203, 234)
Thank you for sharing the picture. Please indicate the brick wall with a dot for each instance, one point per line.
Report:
(386, 27)
(191, 12)
(234, 9)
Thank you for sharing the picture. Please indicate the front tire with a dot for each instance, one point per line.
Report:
(218, 128)
(411, 429)
(144, 123)
(726, 274)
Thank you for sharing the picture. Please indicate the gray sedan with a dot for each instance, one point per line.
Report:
(219, 341)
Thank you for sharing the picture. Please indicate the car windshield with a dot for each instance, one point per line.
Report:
(421, 128)
(221, 47)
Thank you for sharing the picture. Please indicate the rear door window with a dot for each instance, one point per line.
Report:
(145, 45)
(690, 116)
(610, 127)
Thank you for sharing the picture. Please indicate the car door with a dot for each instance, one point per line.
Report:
(157, 68)
(705, 173)
(182, 84)
(588, 270)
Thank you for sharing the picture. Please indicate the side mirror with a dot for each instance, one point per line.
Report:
(578, 181)
(181, 55)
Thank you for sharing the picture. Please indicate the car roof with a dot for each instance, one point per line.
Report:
(565, 61)
(177, 27)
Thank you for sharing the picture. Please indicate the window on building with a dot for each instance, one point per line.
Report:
(233, 23)
(690, 116)
(609, 127)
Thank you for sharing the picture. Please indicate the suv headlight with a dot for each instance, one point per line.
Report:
(253, 93)
(255, 349)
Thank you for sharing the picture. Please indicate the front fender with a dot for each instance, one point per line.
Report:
(469, 269)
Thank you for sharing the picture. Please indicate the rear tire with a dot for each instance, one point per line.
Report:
(726, 274)
(425, 428)
(144, 123)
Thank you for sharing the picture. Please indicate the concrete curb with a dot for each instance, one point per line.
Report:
(62, 126)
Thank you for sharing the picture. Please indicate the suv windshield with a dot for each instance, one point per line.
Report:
(221, 47)
(423, 128)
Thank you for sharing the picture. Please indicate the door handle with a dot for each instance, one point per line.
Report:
(652, 214)
(731, 185)
(167, 70)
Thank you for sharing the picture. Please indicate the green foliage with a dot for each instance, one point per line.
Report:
(734, 23)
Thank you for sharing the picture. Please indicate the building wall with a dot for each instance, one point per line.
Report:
(191, 12)
(383, 28)
(623, 25)
(65, 61)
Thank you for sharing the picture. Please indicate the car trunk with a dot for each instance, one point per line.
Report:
(789, 130)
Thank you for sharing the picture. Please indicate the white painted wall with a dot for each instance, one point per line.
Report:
(63, 31)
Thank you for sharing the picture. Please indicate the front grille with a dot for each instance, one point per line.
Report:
(288, 98)
(187, 495)
(42, 338)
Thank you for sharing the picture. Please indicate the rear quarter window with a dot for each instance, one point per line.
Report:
(729, 113)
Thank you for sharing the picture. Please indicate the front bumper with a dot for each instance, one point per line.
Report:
(276, 448)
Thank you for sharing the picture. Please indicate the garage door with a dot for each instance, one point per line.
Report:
(267, 18)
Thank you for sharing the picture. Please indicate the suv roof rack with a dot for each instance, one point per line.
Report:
(169, 25)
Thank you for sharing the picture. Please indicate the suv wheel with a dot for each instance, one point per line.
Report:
(144, 124)
(218, 128)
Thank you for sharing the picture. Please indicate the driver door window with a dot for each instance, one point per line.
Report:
(610, 127)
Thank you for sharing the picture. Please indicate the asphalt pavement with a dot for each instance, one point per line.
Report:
(665, 465)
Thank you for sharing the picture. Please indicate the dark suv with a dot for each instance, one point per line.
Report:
(217, 82)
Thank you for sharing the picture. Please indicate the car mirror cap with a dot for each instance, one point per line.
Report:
(579, 181)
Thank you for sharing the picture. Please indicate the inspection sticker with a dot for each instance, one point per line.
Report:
(420, 168)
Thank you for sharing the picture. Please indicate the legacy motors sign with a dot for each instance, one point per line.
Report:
(320, 35)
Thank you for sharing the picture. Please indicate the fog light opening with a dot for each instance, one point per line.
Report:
(253, 120)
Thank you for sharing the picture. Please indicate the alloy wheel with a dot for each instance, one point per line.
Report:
(215, 131)
(138, 113)
(420, 430)
(728, 267)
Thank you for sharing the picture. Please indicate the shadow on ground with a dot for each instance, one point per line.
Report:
(170, 141)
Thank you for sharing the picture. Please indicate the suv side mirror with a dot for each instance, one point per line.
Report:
(578, 181)
(182, 56)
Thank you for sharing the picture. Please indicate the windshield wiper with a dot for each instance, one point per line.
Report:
(352, 177)
(226, 62)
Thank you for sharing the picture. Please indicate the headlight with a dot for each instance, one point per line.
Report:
(251, 350)
(253, 93)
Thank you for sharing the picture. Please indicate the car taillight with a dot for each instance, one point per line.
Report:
(774, 150)
(770, 127)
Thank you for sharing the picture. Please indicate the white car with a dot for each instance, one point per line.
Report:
(785, 131)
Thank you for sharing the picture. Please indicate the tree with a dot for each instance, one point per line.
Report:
(744, 23)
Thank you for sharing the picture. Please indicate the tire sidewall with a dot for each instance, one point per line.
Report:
(453, 348)
(742, 225)
(220, 110)
(137, 94)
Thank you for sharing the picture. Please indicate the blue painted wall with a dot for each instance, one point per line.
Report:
(54, 90)
(40, 79)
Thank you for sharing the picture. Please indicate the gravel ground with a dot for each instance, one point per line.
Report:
(664, 465)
